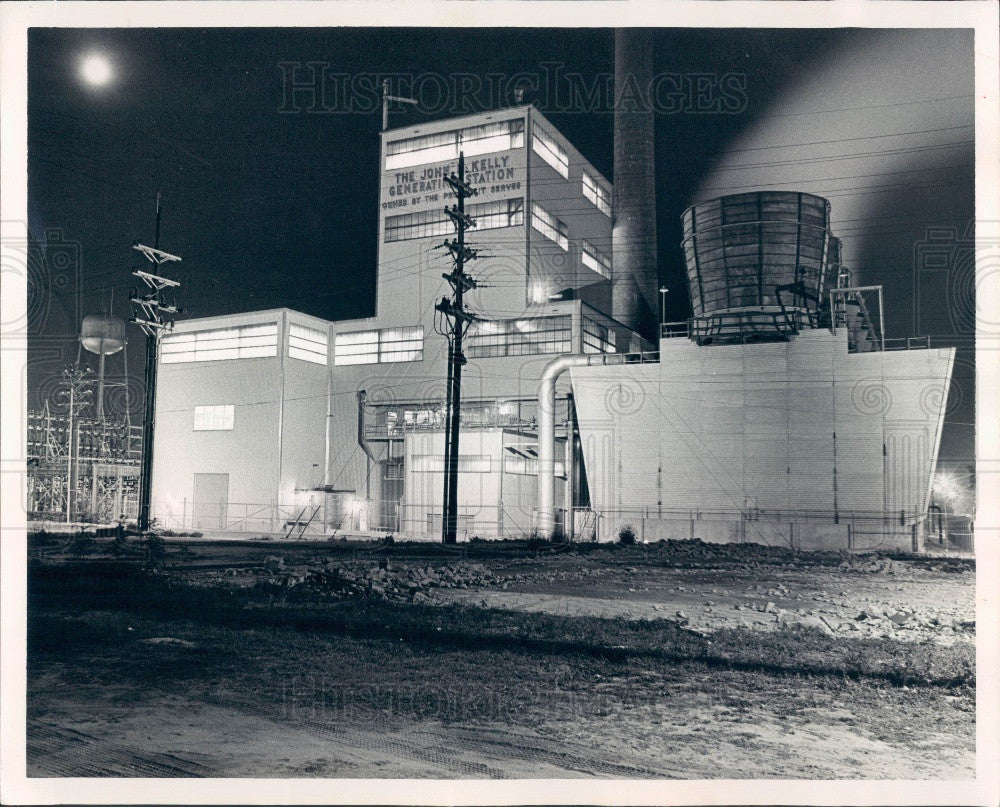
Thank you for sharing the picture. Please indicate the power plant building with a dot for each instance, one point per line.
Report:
(774, 415)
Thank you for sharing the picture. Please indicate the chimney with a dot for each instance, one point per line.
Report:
(634, 235)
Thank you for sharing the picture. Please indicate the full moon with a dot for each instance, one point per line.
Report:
(95, 69)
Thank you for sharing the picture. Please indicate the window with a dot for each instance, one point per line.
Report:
(597, 338)
(428, 224)
(246, 342)
(360, 347)
(442, 146)
(307, 344)
(594, 259)
(431, 223)
(494, 215)
(375, 347)
(467, 463)
(546, 147)
(401, 344)
(520, 337)
(597, 194)
(214, 418)
(549, 226)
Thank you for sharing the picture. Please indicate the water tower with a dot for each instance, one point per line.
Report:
(105, 336)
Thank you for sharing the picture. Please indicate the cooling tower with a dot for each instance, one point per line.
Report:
(634, 235)
(758, 264)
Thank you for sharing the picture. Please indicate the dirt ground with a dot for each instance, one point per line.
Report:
(120, 692)
(862, 597)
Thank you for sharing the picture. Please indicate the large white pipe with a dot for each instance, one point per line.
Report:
(568, 487)
(547, 436)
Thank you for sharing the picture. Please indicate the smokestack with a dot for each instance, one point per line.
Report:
(634, 235)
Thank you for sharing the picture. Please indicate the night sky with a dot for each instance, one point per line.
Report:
(272, 201)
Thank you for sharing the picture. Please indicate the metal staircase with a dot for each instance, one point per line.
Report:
(300, 524)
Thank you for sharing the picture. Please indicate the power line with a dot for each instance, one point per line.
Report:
(458, 320)
(150, 318)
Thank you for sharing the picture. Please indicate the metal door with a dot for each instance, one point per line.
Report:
(211, 501)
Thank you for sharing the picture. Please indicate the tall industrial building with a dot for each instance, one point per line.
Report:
(273, 420)
(777, 414)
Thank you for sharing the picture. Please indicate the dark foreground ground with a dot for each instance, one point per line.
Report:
(358, 660)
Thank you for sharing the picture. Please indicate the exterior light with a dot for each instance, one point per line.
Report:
(946, 486)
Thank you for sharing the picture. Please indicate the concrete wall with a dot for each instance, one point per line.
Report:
(277, 442)
(248, 453)
(796, 427)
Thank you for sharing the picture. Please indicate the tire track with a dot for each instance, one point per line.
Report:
(54, 750)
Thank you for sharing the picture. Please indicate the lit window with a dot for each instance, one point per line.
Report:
(494, 215)
(520, 337)
(546, 147)
(597, 338)
(597, 194)
(374, 347)
(307, 344)
(594, 259)
(246, 342)
(436, 223)
(401, 344)
(549, 226)
(214, 418)
(360, 347)
(473, 140)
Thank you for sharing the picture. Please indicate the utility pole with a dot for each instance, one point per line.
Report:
(386, 99)
(458, 320)
(150, 311)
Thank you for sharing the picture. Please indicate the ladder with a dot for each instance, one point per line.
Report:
(585, 525)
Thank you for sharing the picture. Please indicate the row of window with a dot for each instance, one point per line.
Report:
(379, 346)
(598, 195)
(443, 146)
(520, 337)
(245, 342)
(486, 339)
(549, 226)
(487, 138)
(593, 258)
(597, 338)
(490, 216)
(307, 344)
(434, 223)
(548, 148)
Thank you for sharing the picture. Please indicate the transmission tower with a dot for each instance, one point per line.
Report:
(457, 321)
(77, 394)
(150, 317)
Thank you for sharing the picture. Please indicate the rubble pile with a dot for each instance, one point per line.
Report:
(412, 583)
